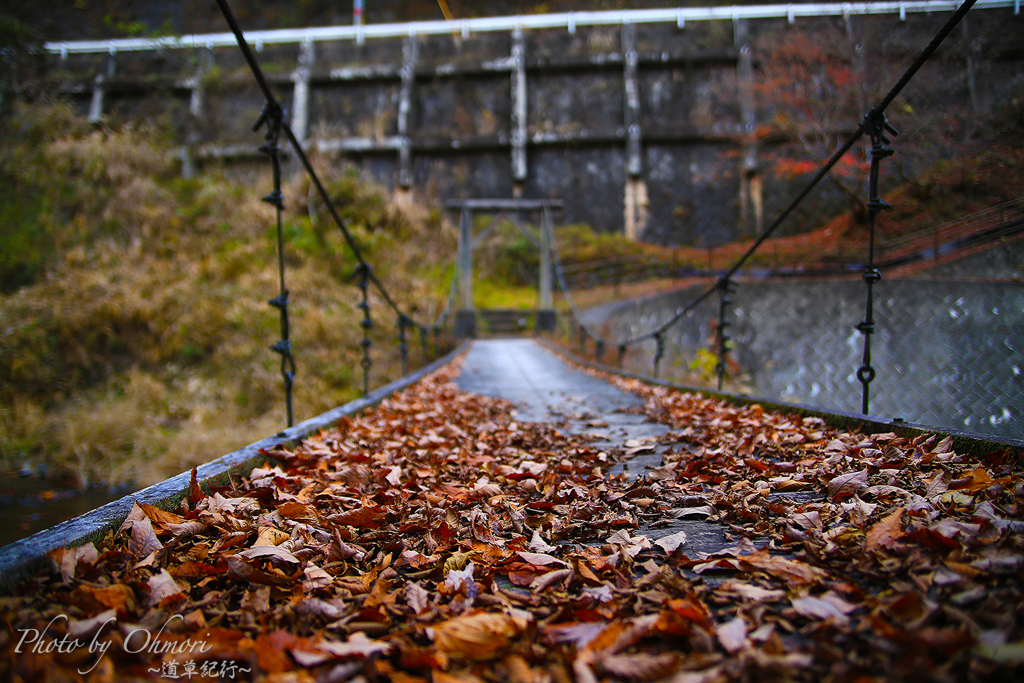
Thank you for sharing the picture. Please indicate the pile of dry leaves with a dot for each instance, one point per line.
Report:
(435, 539)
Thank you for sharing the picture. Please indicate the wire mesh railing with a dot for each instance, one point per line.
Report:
(272, 117)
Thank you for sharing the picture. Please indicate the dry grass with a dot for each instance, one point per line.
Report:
(143, 349)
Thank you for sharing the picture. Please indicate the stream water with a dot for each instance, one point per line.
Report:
(29, 504)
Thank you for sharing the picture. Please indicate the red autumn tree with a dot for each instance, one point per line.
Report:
(810, 91)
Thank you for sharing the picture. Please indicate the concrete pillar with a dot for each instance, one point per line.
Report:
(99, 89)
(632, 92)
(300, 91)
(196, 106)
(465, 316)
(981, 104)
(519, 110)
(635, 198)
(751, 219)
(860, 68)
(546, 316)
(410, 54)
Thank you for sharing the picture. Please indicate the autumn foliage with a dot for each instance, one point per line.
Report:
(434, 538)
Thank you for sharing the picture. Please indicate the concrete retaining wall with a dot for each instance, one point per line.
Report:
(645, 128)
(947, 353)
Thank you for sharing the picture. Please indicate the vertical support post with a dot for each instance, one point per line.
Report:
(860, 68)
(519, 110)
(547, 319)
(363, 282)
(272, 116)
(751, 201)
(410, 54)
(9, 84)
(659, 351)
(876, 126)
(99, 89)
(403, 346)
(196, 106)
(636, 189)
(631, 59)
(725, 290)
(300, 91)
(465, 317)
(980, 104)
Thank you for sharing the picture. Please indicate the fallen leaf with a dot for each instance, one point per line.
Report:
(671, 542)
(886, 532)
(846, 485)
(733, 635)
(475, 636)
(828, 606)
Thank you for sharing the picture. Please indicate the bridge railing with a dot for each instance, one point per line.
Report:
(985, 226)
(272, 120)
(653, 335)
(1001, 220)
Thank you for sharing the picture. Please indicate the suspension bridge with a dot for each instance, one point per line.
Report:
(600, 514)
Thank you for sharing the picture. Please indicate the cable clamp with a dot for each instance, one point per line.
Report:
(280, 301)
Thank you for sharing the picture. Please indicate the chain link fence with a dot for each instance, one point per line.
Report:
(948, 353)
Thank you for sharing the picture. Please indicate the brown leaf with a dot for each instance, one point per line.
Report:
(416, 597)
(88, 628)
(640, 666)
(119, 597)
(268, 535)
(828, 606)
(272, 552)
(162, 586)
(858, 511)
(134, 515)
(476, 636)
(193, 569)
(67, 559)
(186, 529)
(297, 511)
(578, 634)
(551, 578)
(339, 550)
(315, 578)
(394, 476)
(241, 570)
(358, 646)
(886, 532)
(749, 591)
(541, 559)
(539, 545)
(143, 540)
(845, 485)
(195, 493)
(159, 516)
(368, 516)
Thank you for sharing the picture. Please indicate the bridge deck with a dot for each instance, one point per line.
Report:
(545, 388)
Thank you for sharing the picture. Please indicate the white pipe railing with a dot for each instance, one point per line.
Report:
(568, 20)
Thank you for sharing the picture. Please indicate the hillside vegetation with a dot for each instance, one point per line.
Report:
(135, 325)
